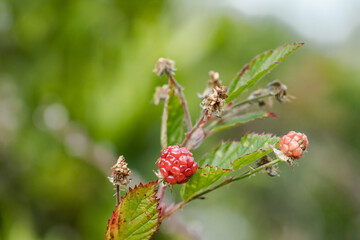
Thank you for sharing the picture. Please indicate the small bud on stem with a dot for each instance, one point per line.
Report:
(120, 176)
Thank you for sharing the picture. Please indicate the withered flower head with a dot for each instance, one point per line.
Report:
(264, 101)
(214, 79)
(161, 93)
(214, 102)
(121, 173)
(279, 90)
(164, 65)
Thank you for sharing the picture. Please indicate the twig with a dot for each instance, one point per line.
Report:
(223, 183)
(197, 125)
(183, 101)
(117, 195)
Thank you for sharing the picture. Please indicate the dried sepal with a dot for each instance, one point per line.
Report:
(164, 65)
(280, 155)
(162, 180)
(121, 173)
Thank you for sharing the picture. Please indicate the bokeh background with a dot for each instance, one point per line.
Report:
(76, 87)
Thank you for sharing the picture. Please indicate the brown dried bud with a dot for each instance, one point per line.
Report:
(161, 93)
(264, 101)
(196, 139)
(279, 90)
(272, 171)
(214, 102)
(121, 173)
(164, 65)
(214, 79)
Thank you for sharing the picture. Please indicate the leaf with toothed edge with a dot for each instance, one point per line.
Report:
(234, 154)
(223, 124)
(259, 67)
(202, 179)
(137, 216)
(229, 155)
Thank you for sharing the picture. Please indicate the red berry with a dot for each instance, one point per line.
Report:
(294, 144)
(176, 164)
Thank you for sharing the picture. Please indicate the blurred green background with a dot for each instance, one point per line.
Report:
(76, 87)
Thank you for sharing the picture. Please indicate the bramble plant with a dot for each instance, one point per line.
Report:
(140, 212)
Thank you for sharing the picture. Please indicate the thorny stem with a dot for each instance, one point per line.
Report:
(223, 183)
(197, 125)
(183, 101)
(117, 195)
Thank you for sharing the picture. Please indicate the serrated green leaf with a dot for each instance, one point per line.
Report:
(237, 154)
(175, 121)
(202, 179)
(223, 124)
(229, 155)
(259, 67)
(137, 216)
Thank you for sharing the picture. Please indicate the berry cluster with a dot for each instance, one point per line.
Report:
(176, 164)
(294, 144)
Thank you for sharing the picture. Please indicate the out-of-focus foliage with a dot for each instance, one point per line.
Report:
(76, 84)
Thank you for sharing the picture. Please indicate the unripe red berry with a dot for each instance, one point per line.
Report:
(176, 164)
(294, 144)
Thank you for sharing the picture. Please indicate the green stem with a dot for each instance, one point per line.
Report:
(252, 100)
(164, 118)
(223, 183)
(117, 195)
(197, 125)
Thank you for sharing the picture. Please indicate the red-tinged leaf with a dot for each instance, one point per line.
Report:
(259, 67)
(137, 217)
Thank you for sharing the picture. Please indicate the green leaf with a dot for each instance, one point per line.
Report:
(229, 155)
(223, 123)
(202, 179)
(259, 67)
(137, 216)
(237, 154)
(175, 121)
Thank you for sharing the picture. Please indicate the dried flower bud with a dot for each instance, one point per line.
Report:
(215, 101)
(279, 90)
(272, 171)
(121, 173)
(264, 102)
(214, 79)
(196, 139)
(164, 65)
(161, 93)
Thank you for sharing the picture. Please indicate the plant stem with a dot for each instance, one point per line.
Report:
(161, 192)
(183, 102)
(197, 125)
(223, 183)
(164, 118)
(117, 195)
(252, 100)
